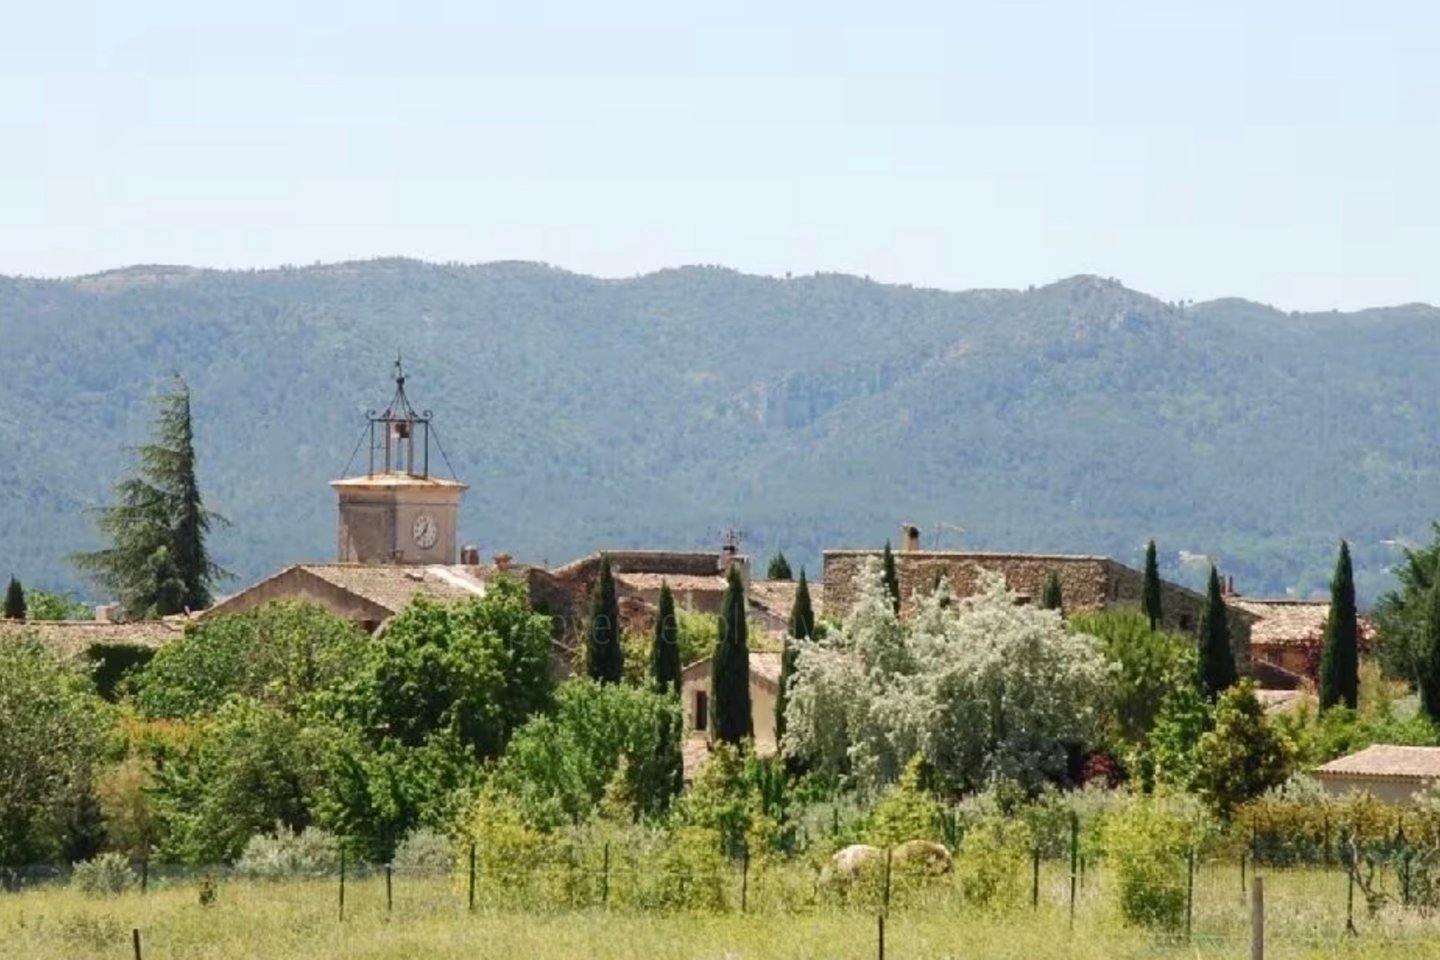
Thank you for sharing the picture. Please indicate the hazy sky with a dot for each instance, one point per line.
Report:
(1284, 151)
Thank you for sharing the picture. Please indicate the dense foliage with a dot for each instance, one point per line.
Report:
(157, 562)
(1403, 645)
(14, 601)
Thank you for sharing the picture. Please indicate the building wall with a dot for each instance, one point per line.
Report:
(376, 526)
(1285, 656)
(1180, 608)
(1398, 793)
(696, 679)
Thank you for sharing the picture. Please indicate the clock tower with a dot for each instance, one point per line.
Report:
(397, 512)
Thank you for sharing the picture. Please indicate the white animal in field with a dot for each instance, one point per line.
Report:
(846, 864)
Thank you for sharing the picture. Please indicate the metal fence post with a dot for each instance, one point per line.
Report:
(1350, 892)
(605, 879)
(880, 922)
(744, 877)
(1074, 860)
(1257, 919)
(389, 893)
(1189, 892)
(135, 942)
(1035, 879)
(887, 880)
(472, 875)
(342, 884)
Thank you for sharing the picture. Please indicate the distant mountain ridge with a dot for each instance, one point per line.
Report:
(811, 411)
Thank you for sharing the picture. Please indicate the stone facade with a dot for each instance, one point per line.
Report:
(1086, 583)
(764, 690)
(378, 517)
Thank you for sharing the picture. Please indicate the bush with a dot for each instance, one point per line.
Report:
(991, 862)
(106, 875)
(283, 854)
(424, 851)
(1148, 843)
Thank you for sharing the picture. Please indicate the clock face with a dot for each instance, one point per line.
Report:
(424, 531)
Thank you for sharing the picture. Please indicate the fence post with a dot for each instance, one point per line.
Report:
(145, 870)
(472, 875)
(342, 884)
(880, 921)
(389, 897)
(887, 880)
(1035, 879)
(1189, 892)
(1404, 846)
(1074, 860)
(1350, 892)
(1257, 919)
(605, 878)
(744, 877)
(135, 942)
(1242, 875)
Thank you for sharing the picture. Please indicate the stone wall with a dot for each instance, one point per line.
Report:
(1180, 608)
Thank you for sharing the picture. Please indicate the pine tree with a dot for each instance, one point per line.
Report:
(779, 568)
(665, 648)
(801, 627)
(1152, 587)
(1217, 659)
(731, 721)
(604, 659)
(157, 563)
(1429, 667)
(892, 577)
(15, 601)
(1052, 598)
(1340, 653)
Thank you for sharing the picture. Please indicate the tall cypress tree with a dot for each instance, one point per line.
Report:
(665, 648)
(1053, 598)
(892, 577)
(730, 668)
(1217, 659)
(801, 627)
(157, 563)
(604, 660)
(1340, 654)
(1151, 600)
(1428, 670)
(14, 601)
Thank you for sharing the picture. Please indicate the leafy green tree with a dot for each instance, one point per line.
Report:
(1243, 756)
(280, 653)
(665, 647)
(52, 733)
(1169, 756)
(1053, 598)
(157, 563)
(800, 627)
(1151, 592)
(1340, 650)
(1402, 645)
(43, 605)
(730, 668)
(559, 765)
(779, 568)
(1149, 665)
(604, 657)
(14, 601)
(892, 576)
(1430, 663)
(1217, 657)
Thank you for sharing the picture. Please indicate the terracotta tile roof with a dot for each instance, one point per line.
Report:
(681, 584)
(764, 666)
(1286, 622)
(777, 597)
(394, 586)
(72, 637)
(1384, 761)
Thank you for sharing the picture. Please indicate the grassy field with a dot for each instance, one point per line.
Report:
(300, 921)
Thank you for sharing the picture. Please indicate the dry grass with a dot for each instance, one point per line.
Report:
(299, 921)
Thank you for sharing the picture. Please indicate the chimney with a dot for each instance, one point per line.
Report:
(1230, 586)
(910, 538)
(106, 612)
(470, 555)
(502, 561)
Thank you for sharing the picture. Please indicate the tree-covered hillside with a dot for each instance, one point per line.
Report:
(812, 412)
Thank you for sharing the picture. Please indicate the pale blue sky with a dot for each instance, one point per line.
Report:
(1283, 151)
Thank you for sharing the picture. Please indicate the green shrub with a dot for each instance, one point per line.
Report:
(424, 851)
(284, 854)
(106, 875)
(991, 862)
(1147, 843)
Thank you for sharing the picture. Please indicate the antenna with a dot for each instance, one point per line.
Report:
(941, 526)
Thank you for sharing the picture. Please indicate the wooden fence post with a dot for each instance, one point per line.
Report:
(1257, 918)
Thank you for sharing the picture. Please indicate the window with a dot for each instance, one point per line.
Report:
(1186, 623)
(702, 711)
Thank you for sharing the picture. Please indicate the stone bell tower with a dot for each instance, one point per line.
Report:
(397, 512)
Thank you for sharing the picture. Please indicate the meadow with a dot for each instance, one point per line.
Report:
(429, 917)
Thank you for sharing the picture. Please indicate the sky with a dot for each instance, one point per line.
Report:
(1282, 151)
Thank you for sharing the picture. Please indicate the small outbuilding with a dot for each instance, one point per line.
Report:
(1390, 773)
(695, 700)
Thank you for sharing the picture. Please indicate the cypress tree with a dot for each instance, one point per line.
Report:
(604, 659)
(14, 601)
(1052, 598)
(1340, 653)
(779, 568)
(665, 649)
(1217, 659)
(1151, 600)
(801, 627)
(731, 721)
(892, 578)
(157, 563)
(1429, 666)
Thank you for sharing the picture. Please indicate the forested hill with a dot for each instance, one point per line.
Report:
(811, 412)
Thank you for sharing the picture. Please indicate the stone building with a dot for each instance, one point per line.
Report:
(1391, 774)
(1287, 633)
(695, 702)
(1087, 582)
